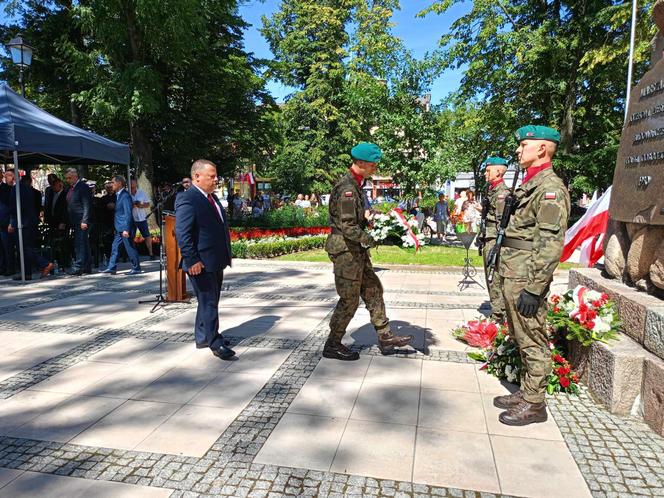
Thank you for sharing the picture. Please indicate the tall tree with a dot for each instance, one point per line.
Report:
(556, 62)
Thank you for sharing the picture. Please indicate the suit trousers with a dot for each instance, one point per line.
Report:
(119, 240)
(207, 286)
(8, 241)
(31, 256)
(82, 256)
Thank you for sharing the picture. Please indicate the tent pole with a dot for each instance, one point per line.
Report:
(19, 221)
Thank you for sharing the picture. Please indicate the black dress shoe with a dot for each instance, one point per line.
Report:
(203, 345)
(223, 353)
(75, 273)
(339, 352)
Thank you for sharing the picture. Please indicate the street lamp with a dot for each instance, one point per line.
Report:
(22, 56)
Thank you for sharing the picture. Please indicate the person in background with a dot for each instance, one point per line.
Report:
(55, 217)
(30, 222)
(123, 222)
(7, 239)
(441, 216)
(471, 212)
(266, 201)
(305, 203)
(79, 213)
(313, 200)
(105, 218)
(141, 203)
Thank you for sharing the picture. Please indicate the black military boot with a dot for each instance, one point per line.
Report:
(388, 342)
(337, 351)
(524, 413)
(508, 401)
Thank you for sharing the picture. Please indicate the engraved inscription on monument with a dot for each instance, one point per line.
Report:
(638, 181)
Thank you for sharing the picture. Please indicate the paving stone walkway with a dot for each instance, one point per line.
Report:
(99, 397)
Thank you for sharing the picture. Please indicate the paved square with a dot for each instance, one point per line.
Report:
(99, 397)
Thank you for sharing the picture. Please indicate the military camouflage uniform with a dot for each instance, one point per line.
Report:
(348, 248)
(533, 246)
(496, 197)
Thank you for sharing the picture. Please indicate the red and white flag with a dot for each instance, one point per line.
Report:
(589, 232)
(250, 178)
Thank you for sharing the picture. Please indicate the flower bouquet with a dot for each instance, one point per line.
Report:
(478, 333)
(583, 315)
(397, 228)
(562, 378)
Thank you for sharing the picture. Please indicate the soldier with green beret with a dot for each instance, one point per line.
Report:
(531, 251)
(492, 210)
(348, 247)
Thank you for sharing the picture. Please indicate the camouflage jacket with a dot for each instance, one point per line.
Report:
(541, 216)
(496, 198)
(347, 218)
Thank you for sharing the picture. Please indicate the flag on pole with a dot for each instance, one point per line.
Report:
(250, 178)
(589, 232)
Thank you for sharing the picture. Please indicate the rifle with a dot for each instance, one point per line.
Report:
(481, 239)
(508, 211)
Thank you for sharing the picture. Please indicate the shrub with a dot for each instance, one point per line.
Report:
(242, 249)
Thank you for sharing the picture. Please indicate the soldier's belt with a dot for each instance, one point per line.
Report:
(524, 245)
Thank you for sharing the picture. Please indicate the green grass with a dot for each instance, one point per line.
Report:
(428, 255)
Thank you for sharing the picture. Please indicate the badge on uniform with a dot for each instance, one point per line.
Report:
(550, 196)
(348, 194)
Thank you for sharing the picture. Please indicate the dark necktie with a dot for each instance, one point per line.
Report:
(214, 206)
(70, 193)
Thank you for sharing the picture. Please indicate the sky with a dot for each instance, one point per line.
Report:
(419, 35)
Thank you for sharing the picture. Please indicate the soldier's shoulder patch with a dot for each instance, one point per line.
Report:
(348, 194)
(550, 196)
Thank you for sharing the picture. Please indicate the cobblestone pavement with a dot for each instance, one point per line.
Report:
(617, 456)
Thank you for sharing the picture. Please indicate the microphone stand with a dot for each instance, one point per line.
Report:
(159, 299)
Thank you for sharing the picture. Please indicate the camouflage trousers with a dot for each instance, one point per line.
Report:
(354, 277)
(495, 288)
(532, 338)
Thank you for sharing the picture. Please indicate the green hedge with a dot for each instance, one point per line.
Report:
(241, 249)
(287, 217)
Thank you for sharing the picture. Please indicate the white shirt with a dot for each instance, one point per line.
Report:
(305, 204)
(139, 214)
(216, 204)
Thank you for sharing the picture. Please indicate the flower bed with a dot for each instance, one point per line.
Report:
(261, 233)
(269, 248)
(286, 217)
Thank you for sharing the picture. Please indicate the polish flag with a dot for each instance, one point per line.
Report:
(404, 223)
(589, 232)
(250, 178)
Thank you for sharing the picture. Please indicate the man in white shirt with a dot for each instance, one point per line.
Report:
(141, 203)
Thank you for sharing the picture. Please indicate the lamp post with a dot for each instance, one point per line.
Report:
(21, 56)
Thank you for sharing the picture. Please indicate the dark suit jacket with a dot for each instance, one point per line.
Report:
(201, 235)
(54, 215)
(29, 215)
(123, 217)
(5, 205)
(79, 205)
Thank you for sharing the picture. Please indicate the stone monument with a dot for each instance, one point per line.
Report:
(628, 375)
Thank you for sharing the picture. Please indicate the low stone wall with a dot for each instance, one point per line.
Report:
(627, 376)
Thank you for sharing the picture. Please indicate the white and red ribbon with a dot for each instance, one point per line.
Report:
(409, 231)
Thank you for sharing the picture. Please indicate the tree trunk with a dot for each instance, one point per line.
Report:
(142, 154)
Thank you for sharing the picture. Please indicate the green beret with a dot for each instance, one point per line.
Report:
(366, 151)
(495, 161)
(535, 132)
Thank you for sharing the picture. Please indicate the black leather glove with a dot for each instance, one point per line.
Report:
(527, 304)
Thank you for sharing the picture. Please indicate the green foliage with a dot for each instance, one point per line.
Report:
(556, 63)
(242, 249)
(169, 76)
(287, 217)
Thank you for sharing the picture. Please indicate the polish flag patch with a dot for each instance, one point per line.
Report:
(550, 196)
(348, 194)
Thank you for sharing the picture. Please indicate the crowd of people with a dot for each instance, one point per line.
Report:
(70, 226)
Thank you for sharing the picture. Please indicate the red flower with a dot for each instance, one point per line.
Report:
(562, 371)
(564, 382)
(558, 359)
(575, 378)
(555, 299)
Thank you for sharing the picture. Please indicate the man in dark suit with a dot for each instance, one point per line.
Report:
(55, 217)
(30, 209)
(124, 228)
(202, 233)
(7, 239)
(79, 209)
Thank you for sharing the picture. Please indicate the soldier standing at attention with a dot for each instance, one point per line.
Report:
(531, 251)
(348, 247)
(494, 171)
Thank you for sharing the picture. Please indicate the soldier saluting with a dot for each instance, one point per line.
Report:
(492, 211)
(348, 247)
(532, 248)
